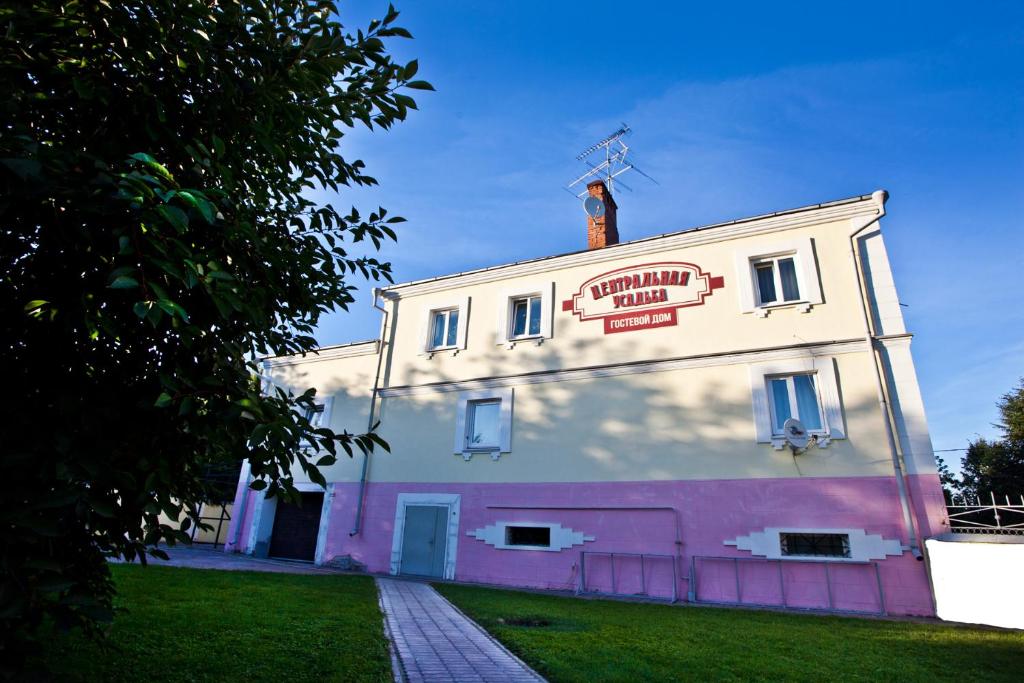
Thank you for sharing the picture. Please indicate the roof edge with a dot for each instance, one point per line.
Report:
(786, 212)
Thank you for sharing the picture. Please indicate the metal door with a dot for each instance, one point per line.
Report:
(425, 540)
(296, 527)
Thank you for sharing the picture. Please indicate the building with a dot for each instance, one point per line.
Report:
(611, 420)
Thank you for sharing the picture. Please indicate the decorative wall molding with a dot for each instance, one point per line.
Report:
(745, 227)
(561, 537)
(363, 348)
(802, 351)
(863, 546)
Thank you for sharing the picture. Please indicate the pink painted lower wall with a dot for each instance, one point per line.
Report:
(703, 515)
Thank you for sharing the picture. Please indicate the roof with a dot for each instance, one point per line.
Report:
(802, 209)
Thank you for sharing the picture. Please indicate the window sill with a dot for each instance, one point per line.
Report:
(536, 340)
(763, 310)
(819, 439)
(494, 452)
(453, 350)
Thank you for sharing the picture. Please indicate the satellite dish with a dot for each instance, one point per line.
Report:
(594, 207)
(795, 433)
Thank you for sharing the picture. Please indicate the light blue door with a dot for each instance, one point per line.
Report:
(425, 540)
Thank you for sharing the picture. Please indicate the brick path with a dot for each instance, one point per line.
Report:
(434, 641)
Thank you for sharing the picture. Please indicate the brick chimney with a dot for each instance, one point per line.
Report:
(604, 231)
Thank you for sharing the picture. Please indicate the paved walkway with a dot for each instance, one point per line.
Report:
(434, 641)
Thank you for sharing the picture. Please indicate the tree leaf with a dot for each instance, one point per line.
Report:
(124, 282)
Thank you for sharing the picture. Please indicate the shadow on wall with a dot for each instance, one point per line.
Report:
(634, 427)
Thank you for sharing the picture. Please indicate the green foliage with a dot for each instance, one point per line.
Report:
(993, 468)
(155, 238)
(206, 625)
(569, 639)
(1011, 413)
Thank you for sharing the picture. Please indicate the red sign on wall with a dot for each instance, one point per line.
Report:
(643, 296)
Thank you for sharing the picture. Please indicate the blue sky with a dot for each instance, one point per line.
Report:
(738, 108)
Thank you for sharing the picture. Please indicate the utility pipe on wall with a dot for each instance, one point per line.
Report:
(880, 197)
(357, 527)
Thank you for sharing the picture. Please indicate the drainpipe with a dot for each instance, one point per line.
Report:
(358, 526)
(880, 197)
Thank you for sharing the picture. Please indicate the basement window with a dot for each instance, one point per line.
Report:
(815, 545)
(531, 536)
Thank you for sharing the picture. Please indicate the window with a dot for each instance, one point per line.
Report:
(775, 277)
(443, 326)
(778, 274)
(483, 422)
(528, 536)
(804, 388)
(526, 317)
(815, 545)
(315, 415)
(551, 537)
(319, 415)
(525, 314)
(794, 396)
(445, 330)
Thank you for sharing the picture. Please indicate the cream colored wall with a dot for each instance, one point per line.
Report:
(349, 380)
(717, 326)
(690, 423)
(682, 424)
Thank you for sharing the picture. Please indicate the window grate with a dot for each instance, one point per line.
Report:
(815, 545)
(528, 535)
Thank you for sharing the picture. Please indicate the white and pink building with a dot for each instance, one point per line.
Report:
(610, 420)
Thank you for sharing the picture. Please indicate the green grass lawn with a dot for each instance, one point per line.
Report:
(205, 625)
(568, 639)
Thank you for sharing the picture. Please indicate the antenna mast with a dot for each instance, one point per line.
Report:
(615, 163)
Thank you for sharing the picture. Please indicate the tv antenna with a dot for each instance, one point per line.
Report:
(616, 162)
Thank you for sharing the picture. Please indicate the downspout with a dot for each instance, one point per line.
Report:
(880, 197)
(358, 526)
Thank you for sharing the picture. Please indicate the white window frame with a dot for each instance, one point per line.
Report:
(793, 409)
(507, 299)
(425, 344)
(320, 420)
(444, 346)
(773, 261)
(461, 447)
(528, 299)
(471, 418)
(825, 383)
(807, 276)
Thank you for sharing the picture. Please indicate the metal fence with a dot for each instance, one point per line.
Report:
(986, 517)
(220, 517)
(845, 587)
(636, 575)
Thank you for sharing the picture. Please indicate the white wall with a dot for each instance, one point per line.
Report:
(978, 582)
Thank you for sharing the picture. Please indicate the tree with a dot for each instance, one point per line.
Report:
(156, 237)
(996, 467)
